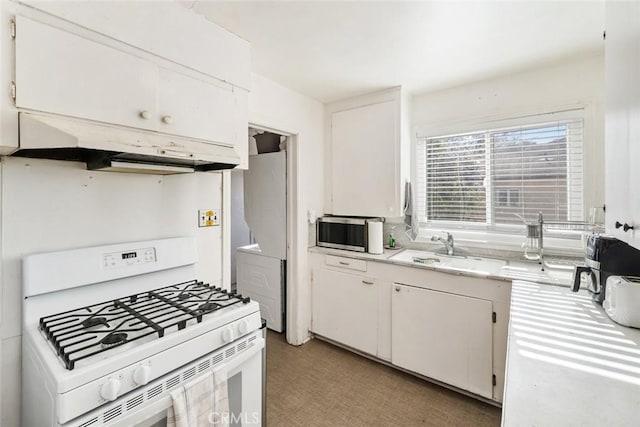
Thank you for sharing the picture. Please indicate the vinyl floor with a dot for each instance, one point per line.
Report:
(319, 384)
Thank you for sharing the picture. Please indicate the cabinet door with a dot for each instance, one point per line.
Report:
(443, 336)
(384, 319)
(194, 108)
(622, 65)
(164, 28)
(63, 73)
(241, 120)
(345, 309)
(364, 147)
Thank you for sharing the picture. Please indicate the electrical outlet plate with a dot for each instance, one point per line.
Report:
(208, 217)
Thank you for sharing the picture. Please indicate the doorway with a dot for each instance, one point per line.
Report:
(259, 238)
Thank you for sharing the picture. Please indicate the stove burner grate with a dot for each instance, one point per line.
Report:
(84, 332)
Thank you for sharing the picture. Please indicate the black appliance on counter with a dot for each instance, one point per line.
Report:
(605, 256)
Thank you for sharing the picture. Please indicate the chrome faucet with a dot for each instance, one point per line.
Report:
(448, 243)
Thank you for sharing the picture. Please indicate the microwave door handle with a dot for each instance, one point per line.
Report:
(576, 276)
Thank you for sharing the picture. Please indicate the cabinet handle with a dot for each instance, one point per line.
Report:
(167, 119)
(397, 288)
(175, 153)
(144, 114)
(367, 283)
(626, 227)
(344, 263)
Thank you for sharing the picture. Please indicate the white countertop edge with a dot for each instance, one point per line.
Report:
(385, 258)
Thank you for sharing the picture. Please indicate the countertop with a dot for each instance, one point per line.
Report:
(568, 364)
(513, 270)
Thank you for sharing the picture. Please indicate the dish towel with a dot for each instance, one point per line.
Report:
(203, 402)
(410, 219)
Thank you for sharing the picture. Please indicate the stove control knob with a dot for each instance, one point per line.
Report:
(142, 375)
(227, 335)
(243, 327)
(110, 389)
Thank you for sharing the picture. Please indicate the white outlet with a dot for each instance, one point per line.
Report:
(208, 217)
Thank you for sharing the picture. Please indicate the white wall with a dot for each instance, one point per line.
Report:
(240, 233)
(281, 109)
(578, 82)
(50, 205)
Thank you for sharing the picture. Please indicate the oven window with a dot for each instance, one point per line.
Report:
(236, 418)
(341, 234)
(234, 389)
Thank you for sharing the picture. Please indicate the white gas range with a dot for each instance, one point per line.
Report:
(110, 331)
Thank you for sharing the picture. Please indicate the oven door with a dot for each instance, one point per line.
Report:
(148, 406)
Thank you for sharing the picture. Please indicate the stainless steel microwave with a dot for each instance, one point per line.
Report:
(342, 233)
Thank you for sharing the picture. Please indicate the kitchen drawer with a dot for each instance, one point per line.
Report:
(350, 263)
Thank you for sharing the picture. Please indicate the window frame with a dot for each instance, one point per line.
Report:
(488, 233)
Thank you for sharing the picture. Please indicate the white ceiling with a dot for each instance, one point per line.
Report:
(332, 50)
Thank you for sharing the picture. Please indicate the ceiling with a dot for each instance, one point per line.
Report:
(333, 50)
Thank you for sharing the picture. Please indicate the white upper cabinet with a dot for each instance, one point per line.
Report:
(59, 72)
(163, 28)
(109, 66)
(362, 146)
(368, 143)
(622, 121)
(187, 106)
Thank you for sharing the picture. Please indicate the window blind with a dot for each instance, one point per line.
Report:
(493, 177)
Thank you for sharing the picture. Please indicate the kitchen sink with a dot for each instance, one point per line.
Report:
(445, 262)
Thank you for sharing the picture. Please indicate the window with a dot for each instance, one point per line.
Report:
(495, 177)
(509, 197)
(455, 177)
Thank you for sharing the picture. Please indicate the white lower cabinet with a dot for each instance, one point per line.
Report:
(345, 309)
(384, 320)
(443, 336)
(447, 327)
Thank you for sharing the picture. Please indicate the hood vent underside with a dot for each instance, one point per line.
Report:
(119, 149)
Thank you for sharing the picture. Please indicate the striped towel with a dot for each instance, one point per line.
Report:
(410, 217)
(203, 402)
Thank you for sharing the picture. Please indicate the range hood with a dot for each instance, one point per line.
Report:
(120, 149)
